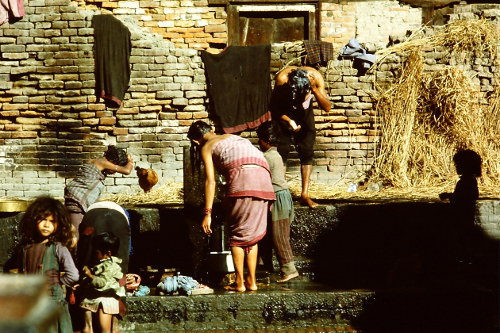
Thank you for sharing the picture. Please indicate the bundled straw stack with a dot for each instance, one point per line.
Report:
(427, 116)
(170, 193)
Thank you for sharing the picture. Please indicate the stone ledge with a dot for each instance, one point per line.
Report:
(243, 311)
(429, 310)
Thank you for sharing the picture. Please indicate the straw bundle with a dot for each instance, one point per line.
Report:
(165, 194)
(445, 113)
(417, 41)
(397, 110)
(461, 37)
(465, 37)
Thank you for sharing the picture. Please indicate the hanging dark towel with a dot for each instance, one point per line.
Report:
(239, 85)
(318, 51)
(112, 58)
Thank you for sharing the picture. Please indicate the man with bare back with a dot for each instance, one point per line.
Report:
(293, 114)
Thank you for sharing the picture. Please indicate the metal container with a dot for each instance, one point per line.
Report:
(221, 261)
(13, 205)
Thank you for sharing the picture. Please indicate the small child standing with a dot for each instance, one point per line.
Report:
(463, 202)
(468, 165)
(101, 289)
(85, 189)
(46, 232)
(282, 213)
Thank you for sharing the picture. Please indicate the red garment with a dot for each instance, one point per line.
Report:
(11, 8)
(244, 168)
(247, 220)
(249, 189)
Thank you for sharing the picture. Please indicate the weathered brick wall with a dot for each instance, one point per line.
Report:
(198, 25)
(50, 121)
(370, 22)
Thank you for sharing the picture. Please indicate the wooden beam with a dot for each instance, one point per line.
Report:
(225, 2)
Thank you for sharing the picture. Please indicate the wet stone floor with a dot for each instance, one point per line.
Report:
(303, 305)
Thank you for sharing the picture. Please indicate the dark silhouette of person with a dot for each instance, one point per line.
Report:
(463, 202)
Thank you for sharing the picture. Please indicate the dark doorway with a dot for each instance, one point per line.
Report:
(267, 24)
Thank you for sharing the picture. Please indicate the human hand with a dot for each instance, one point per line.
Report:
(87, 272)
(130, 279)
(444, 196)
(205, 224)
(74, 238)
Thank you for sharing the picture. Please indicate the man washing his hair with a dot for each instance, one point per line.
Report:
(293, 114)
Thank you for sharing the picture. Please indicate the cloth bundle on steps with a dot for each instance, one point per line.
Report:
(184, 285)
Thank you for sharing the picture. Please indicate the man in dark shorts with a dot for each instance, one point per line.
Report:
(292, 111)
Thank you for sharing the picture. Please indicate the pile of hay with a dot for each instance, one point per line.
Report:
(467, 37)
(172, 194)
(169, 193)
(462, 37)
(425, 117)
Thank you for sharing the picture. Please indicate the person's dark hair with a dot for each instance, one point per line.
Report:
(105, 242)
(198, 129)
(266, 132)
(196, 132)
(40, 208)
(300, 85)
(468, 162)
(116, 156)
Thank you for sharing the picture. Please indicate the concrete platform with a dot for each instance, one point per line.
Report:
(375, 267)
(306, 306)
(299, 304)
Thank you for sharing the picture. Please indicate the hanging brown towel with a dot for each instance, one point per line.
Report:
(112, 48)
(239, 85)
(318, 51)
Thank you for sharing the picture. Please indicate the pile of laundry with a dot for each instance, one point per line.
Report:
(182, 285)
(134, 286)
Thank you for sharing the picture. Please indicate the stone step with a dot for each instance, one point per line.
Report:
(294, 305)
(302, 305)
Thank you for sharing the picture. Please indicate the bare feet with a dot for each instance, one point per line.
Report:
(288, 277)
(234, 287)
(305, 200)
(250, 285)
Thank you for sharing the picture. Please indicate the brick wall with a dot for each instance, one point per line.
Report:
(50, 121)
(198, 25)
